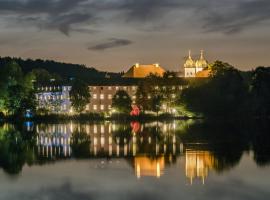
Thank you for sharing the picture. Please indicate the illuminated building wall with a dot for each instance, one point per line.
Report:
(55, 99)
(101, 96)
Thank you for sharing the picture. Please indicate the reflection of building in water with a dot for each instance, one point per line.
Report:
(53, 141)
(106, 140)
(145, 166)
(198, 164)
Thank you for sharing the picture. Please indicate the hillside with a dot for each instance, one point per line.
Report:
(64, 70)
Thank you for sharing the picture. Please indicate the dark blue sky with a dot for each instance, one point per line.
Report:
(114, 34)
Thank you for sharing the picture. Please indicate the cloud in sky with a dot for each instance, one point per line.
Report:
(228, 16)
(111, 43)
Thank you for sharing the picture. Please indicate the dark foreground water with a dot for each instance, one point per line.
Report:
(106, 160)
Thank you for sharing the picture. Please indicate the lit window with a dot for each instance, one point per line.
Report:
(109, 88)
(95, 128)
(101, 96)
(156, 87)
(109, 107)
(87, 107)
(125, 88)
(94, 96)
(134, 88)
(101, 107)
(117, 88)
(94, 87)
(95, 107)
(133, 97)
(149, 97)
(173, 87)
(109, 96)
(173, 96)
(102, 129)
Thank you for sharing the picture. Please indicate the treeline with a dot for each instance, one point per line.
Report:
(60, 70)
(229, 93)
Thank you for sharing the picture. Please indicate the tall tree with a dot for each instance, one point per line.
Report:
(79, 95)
(15, 88)
(222, 94)
(121, 102)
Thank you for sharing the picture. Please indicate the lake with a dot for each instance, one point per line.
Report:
(134, 160)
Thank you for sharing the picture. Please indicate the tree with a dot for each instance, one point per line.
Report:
(222, 94)
(260, 91)
(79, 95)
(121, 102)
(156, 103)
(154, 91)
(15, 88)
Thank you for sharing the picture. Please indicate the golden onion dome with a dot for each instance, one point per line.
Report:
(189, 62)
(202, 63)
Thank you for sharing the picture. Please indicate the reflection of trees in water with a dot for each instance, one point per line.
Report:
(80, 144)
(228, 140)
(16, 148)
(261, 143)
(123, 134)
(225, 141)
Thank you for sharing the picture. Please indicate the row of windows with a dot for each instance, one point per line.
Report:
(101, 107)
(109, 96)
(53, 88)
(50, 97)
(134, 88)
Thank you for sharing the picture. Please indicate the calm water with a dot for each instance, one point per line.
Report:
(157, 160)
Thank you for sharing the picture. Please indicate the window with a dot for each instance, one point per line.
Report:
(94, 96)
(109, 96)
(133, 97)
(124, 88)
(94, 88)
(117, 88)
(95, 128)
(109, 107)
(102, 129)
(173, 96)
(101, 96)
(134, 88)
(101, 107)
(109, 88)
(95, 107)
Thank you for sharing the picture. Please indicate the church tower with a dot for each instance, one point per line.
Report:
(189, 66)
(201, 64)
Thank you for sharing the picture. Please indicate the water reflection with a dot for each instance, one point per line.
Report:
(150, 148)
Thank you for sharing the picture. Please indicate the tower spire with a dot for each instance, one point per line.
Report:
(201, 54)
(189, 54)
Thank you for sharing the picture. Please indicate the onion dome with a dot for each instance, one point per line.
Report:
(201, 63)
(189, 62)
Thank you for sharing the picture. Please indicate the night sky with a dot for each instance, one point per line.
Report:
(114, 34)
